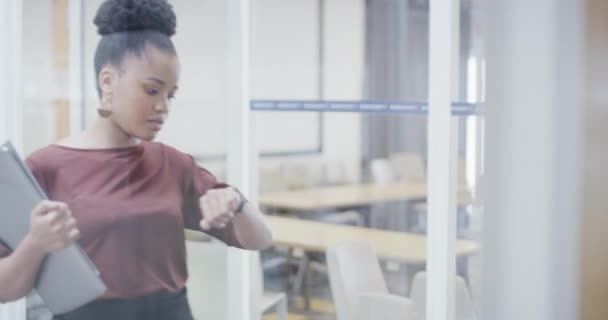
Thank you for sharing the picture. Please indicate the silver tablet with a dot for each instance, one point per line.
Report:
(67, 278)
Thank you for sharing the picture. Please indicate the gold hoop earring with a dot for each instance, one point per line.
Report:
(104, 110)
(104, 113)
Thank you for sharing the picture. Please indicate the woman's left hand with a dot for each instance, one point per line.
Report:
(218, 207)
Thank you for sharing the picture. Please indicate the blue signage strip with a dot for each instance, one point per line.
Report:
(458, 108)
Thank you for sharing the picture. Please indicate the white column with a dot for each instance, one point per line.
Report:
(442, 158)
(76, 63)
(239, 296)
(533, 127)
(11, 96)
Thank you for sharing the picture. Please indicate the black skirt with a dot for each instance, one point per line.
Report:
(159, 306)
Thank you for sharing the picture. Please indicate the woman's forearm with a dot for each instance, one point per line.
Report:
(251, 229)
(18, 271)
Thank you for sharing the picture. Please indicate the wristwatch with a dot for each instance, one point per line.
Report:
(242, 202)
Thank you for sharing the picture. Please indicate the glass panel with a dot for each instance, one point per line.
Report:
(45, 55)
(367, 181)
(45, 70)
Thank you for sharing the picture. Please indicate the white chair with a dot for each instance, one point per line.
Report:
(354, 271)
(408, 166)
(464, 308)
(384, 306)
(382, 171)
(267, 300)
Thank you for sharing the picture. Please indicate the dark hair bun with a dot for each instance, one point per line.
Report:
(135, 15)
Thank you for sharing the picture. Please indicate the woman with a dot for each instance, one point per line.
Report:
(124, 198)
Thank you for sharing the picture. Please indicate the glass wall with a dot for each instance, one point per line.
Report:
(339, 117)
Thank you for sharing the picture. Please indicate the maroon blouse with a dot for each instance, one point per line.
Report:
(132, 205)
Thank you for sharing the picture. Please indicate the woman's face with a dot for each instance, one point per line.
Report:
(141, 91)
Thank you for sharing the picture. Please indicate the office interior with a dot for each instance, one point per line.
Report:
(339, 151)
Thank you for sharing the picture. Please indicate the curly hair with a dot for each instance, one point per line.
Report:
(129, 26)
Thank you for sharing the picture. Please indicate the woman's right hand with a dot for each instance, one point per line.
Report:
(52, 227)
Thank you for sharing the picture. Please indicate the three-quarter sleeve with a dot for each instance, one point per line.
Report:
(202, 181)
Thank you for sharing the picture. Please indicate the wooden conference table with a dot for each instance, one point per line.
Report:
(352, 195)
(409, 248)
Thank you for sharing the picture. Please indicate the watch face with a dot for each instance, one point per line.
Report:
(241, 206)
(242, 202)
